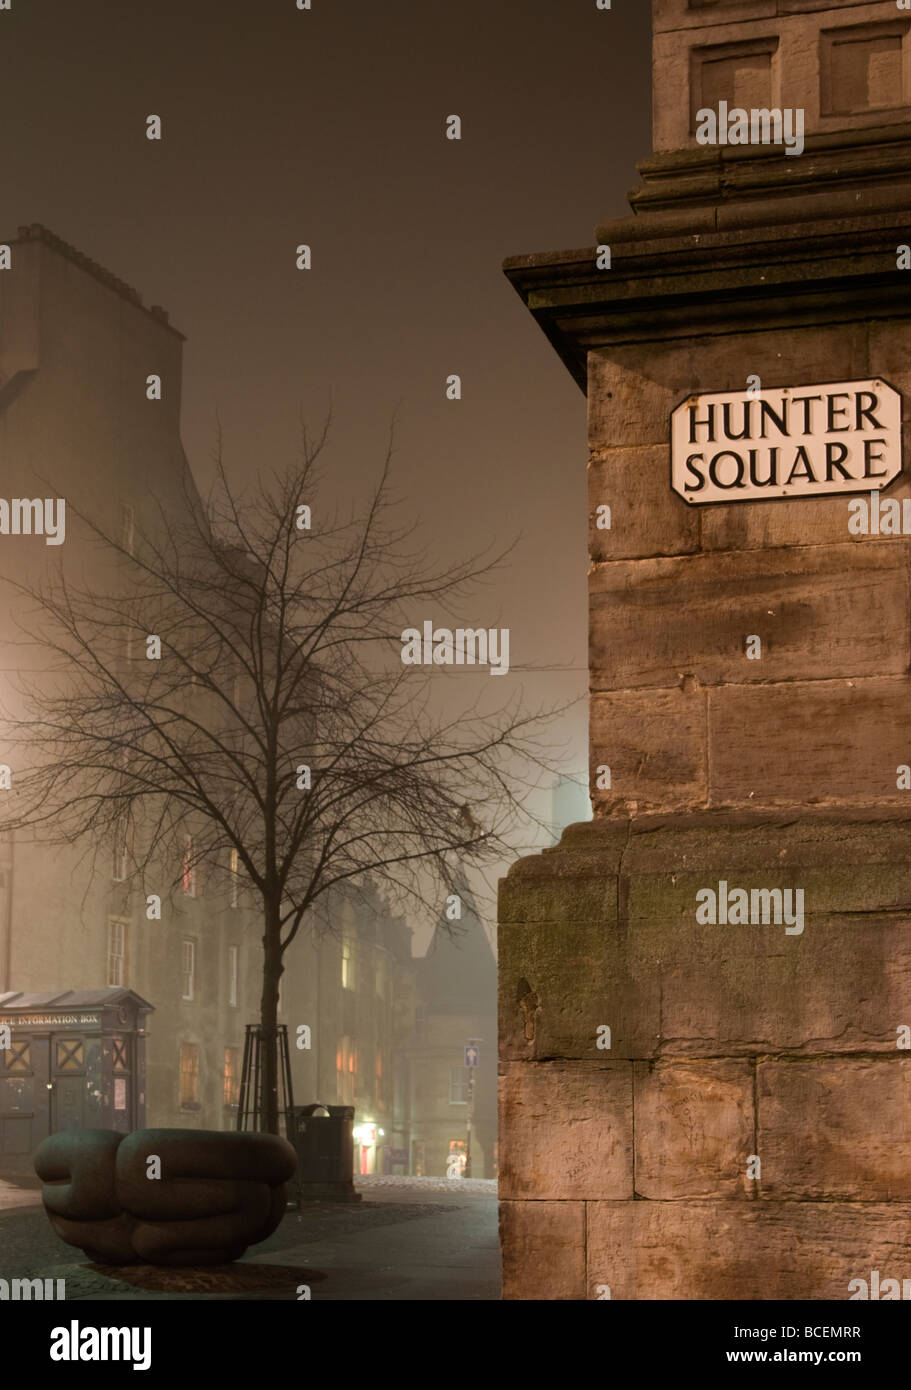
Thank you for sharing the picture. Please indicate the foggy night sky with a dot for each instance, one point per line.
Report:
(326, 126)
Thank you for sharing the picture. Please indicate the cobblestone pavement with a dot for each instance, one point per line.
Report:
(410, 1238)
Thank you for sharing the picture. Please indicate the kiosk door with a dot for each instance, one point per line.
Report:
(122, 1084)
(17, 1098)
(68, 1082)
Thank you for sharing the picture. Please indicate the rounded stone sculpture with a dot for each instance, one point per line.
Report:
(164, 1196)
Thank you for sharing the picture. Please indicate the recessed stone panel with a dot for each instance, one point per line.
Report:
(863, 68)
(741, 74)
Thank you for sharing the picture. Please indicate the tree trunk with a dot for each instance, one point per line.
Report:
(272, 972)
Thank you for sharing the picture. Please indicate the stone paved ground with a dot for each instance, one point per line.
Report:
(420, 1239)
(21, 1193)
(451, 1185)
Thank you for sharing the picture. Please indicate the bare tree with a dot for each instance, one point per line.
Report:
(234, 696)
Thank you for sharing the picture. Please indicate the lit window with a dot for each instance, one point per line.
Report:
(235, 871)
(188, 969)
(189, 868)
(345, 1071)
(117, 953)
(232, 976)
(347, 966)
(189, 1076)
(232, 1075)
(457, 1158)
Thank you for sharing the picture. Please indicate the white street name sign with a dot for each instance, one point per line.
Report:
(792, 441)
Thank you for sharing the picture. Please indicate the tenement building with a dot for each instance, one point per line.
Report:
(705, 993)
(455, 1023)
(76, 348)
(117, 1020)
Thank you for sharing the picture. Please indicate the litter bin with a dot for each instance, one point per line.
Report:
(323, 1138)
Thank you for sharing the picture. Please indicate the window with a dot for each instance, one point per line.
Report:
(188, 969)
(347, 966)
(379, 1079)
(121, 854)
(189, 868)
(232, 1076)
(456, 1158)
(235, 871)
(380, 978)
(117, 952)
(127, 527)
(132, 637)
(189, 1076)
(18, 1056)
(346, 1071)
(232, 976)
(69, 1054)
(458, 1085)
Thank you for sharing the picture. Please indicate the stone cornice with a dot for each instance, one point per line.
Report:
(661, 286)
(841, 162)
(736, 236)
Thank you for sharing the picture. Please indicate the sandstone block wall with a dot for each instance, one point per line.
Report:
(744, 1129)
(632, 1167)
(678, 713)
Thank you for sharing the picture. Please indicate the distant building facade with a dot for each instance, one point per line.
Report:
(354, 987)
(456, 1008)
(76, 349)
